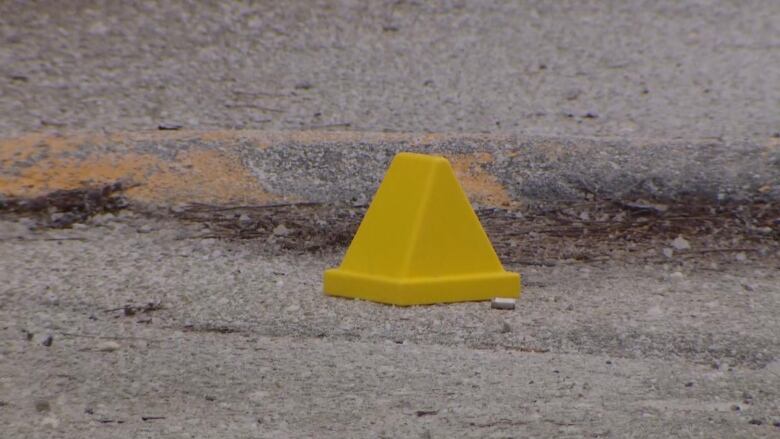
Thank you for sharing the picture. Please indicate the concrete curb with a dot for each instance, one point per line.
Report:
(165, 168)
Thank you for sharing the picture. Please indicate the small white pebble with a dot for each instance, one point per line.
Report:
(668, 252)
(680, 243)
(503, 303)
(740, 257)
(281, 230)
(677, 275)
(245, 221)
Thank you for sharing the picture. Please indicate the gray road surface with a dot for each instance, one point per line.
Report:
(246, 345)
(668, 69)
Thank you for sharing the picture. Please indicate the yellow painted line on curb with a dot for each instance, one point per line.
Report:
(481, 185)
(208, 171)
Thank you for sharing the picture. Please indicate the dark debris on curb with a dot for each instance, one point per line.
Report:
(64, 208)
(584, 232)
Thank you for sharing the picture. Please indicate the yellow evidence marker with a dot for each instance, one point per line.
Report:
(420, 243)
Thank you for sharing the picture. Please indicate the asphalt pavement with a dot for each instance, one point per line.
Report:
(665, 69)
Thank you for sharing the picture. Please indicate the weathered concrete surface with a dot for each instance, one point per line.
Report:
(256, 167)
(660, 69)
(241, 342)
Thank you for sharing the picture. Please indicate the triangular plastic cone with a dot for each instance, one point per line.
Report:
(420, 243)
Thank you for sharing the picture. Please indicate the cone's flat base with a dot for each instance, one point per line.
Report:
(422, 291)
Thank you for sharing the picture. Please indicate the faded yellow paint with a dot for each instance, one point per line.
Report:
(69, 173)
(481, 186)
(14, 150)
(209, 175)
(22, 148)
(204, 177)
(195, 176)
